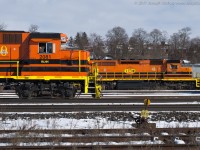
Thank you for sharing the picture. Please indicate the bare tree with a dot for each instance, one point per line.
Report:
(3, 26)
(117, 42)
(180, 43)
(98, 45)
(138, 43)
(174, 45)
(77, 41)
(84, 40)
(33, 28)
(81, 40)
(156, 37)
(184, 37)
(194, 50)
(71, 42)
(157, 40)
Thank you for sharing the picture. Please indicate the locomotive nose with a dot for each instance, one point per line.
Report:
(63, 38)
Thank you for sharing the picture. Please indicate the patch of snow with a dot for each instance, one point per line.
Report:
(174, 124)
(146, 134)
(63, 123)
(164, 133)
(178, 141)
(98, 123)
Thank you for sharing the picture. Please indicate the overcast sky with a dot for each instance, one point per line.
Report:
(99, 16)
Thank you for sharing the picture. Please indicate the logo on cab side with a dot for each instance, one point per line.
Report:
(129, 71)
(4, 51)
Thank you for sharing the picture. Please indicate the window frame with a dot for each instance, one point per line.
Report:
(173, 66)
(45, 46)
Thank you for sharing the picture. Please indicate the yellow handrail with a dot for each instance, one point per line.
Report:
(79, 61)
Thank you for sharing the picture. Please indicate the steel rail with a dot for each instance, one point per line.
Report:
(106, 147)
(164, 100)
(155, 131)
(169, 139)
(96, 107)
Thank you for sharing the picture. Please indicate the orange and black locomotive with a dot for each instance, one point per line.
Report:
(148, 74)
(39, 63)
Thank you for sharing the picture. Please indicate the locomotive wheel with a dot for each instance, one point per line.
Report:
(29, 94)
(28, 90)
(24, 91)
(69, 94)
(52, 94)
(62, 93)
(19, 91)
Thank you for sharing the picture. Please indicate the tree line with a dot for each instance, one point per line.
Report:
(155, 44)
(141, 44)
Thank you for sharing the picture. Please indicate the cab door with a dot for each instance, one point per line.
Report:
(9, 53)
(5, 60)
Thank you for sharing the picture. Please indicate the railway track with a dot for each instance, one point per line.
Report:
(106, 147)
(104, 100)
(67, 107)
(154, 138)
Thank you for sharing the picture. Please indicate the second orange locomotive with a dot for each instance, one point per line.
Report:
(146, 74)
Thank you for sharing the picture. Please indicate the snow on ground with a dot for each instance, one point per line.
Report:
(64, 123)
(174, 124)
(95, 123)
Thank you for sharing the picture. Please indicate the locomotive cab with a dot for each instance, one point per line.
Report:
(177, 67)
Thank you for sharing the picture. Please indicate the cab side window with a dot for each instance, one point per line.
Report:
(173, 66)
(42, 48)
(45, 48)
(49, 47)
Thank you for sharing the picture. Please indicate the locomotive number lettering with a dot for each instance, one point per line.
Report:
(44, 59)
(128, 71)
(45, 56)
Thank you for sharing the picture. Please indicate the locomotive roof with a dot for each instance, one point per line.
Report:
(15, 31)
(173, 61)
(45, 35)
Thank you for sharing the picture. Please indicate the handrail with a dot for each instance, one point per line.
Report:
(79, 61)
(17, 62)
(139, 75)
